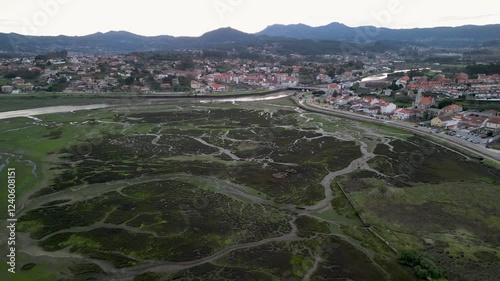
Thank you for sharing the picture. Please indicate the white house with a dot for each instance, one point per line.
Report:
(195, 85)
(341, 101)
(334, 88)
(387, 108)
(403, 81)
(218, 87)
(324, 78)
(401, 114)
(371, 100)
(7, 89)
(493, 123)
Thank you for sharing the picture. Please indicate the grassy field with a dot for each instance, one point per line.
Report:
(4, 81)
(445, 208)
(9, 103)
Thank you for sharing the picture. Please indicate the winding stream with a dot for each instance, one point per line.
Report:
(232, 190)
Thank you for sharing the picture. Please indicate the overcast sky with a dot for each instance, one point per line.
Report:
(195, 17)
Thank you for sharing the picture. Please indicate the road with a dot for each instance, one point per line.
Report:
(454, 142)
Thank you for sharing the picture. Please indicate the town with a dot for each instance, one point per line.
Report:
(434, 96)
(247, 140)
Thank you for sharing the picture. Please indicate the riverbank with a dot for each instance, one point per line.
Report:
(27, 101)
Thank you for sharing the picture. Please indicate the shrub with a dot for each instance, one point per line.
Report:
(423, 265)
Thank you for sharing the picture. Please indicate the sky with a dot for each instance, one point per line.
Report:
(195, 17)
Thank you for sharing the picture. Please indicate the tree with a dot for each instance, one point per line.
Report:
(58, 86)
(9, 75)
(421, 272)
(444, 103)
(129, 80)
(331, 72)
(423, 266)
(394, 86)
(186, 63)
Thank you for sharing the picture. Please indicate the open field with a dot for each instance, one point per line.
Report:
(443, 204)
(247, 191)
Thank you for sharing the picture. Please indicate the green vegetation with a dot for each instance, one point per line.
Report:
(218, 191)
(444, 103)
(423, 265)
(307, 226)
(487, 69)
(10, 103)
(431, 199)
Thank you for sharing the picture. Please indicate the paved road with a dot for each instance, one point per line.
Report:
(454, 142)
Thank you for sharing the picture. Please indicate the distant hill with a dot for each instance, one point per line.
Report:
(227, 35)
(333, 31)
(98, 43)
(439, 36)
(121, 42)
(297, 38)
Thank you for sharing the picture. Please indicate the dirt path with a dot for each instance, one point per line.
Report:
(359, 163)
(130, 272)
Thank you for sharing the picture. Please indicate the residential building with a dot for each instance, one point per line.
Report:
(402, 114)
(195, 85)
(218, 87)
(493, 123)
(473, 121)
(18, 81)
(7, 89)
(488, 113)
(444, 121)
(387, 108)
(450, 109)
(334, 88)
(324, 78)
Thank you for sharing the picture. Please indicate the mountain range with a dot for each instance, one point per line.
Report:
(338, 31)
(290, 38)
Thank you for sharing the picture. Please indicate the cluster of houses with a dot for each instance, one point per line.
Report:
(454, 118)
(377, 106)
(221, 82)
(95, 74)
(449, 117)
(485, 87)
(18, 84)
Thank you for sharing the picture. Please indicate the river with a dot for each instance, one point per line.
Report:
(48, 110)
(247, 98)
(29, 113)
(382, 76)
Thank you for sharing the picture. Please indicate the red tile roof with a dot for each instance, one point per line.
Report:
(426, 100)
(446, 118)
(452, 107)
(494, 120)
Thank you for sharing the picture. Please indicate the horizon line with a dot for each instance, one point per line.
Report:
(254, 33)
